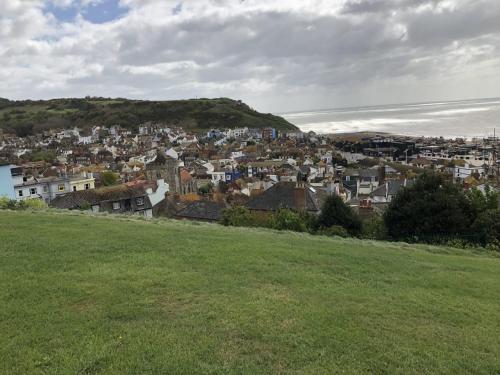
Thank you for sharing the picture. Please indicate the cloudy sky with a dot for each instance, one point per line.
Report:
(277, 55)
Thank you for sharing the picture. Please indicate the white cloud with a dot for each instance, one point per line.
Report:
(276, 54)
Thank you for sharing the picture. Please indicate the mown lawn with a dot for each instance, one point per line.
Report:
(101, 295)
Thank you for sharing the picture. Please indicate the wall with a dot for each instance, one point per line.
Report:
(6, 183)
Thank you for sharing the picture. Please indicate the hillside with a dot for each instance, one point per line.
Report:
(102, 295)
(30, 117)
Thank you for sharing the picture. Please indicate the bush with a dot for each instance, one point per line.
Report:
(35, 204)
(12, 204)
(336, 213)
(242, 217)
(374, 229)
(288, 220)
(108, 178)
(487, 227)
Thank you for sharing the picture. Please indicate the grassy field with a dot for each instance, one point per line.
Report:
(101, 295)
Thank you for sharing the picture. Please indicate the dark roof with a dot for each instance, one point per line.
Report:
(202, 210)
(85, 198)
(281, 195)
(391, 187)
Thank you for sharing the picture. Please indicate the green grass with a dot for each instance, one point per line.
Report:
(101, 295)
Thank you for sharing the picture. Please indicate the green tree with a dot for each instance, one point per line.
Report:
(336, 213)
(109, 178)
(487, 227)
(430, 209)
(288, 220)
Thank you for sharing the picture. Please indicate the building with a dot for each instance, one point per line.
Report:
(8, 173)
(84, 182)
(164, 168)
(288, 195)
(121, 199)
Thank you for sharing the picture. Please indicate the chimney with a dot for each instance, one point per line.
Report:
(300, 197)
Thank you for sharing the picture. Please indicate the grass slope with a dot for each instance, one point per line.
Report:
(91, 295)
(29, 117)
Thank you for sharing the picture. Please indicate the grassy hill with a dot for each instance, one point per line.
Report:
(29, 117)
(102, 295)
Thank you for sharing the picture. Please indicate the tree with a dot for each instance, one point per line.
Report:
(480, 201)
(108, 178)
(487, 227)
(288, 220)
(433, 207)
(336, 213)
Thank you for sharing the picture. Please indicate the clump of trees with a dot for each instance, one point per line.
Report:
(336, 219)
(434, 210)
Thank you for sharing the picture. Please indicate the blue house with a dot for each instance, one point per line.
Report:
(7, 172)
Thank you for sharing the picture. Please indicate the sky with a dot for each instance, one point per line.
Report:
(276, 55)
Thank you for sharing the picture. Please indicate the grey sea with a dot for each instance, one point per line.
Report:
(465, 119)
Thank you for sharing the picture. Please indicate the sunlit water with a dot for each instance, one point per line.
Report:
(471, 118)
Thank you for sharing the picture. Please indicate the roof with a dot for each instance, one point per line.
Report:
(281, 195)
(202, 210)
(391, 187)
(85, 198)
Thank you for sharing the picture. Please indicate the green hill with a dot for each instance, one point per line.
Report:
(29, 117)
(102, 295)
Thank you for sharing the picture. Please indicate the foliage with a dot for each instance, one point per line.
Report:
(288, 220)
(109, 178)
(31, 204)
(487, 227)
(374, 228)
(480, 201)
(32, 117)
(206, 189)
(239, 216)
(336, 213)
(432, 207)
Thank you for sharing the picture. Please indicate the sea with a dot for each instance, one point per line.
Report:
(452, 119)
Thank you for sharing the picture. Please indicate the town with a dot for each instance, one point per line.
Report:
(161, 170)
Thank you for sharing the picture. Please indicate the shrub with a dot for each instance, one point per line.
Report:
(374, 228)
(108, 178)
(35, 204)
(487, 227)
(336, 213)
(242, 217)
(288, 220)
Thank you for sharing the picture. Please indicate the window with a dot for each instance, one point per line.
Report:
(33, 191)
(139, 201)
(74, 188)
(116, 205)
(87, 186)
(45, 188)
(61, 187)
(20, 192)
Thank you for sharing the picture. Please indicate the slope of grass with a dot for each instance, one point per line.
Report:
(101, 295)
(30, 117)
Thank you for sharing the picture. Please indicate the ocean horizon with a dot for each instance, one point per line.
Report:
(448, 119)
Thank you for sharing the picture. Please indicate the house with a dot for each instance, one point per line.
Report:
(8, 174)
(46, 188)
(289, 195)
(385, 193)
(201, 210)
(121, 199)
(84, 182)
(461, 173)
